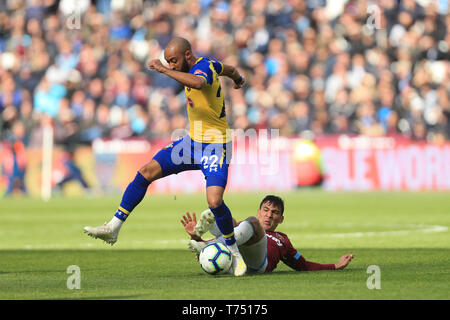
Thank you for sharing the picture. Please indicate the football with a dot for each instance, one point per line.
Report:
(215, 258)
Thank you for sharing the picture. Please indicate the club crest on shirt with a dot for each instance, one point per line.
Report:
(279, 236)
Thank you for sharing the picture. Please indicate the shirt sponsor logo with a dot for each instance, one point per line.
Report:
(200, 72)
(277, 241)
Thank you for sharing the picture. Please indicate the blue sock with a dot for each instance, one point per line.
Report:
(224, 222)
(132, 196)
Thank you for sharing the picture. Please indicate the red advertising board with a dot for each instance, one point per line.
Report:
(265, 165)
(383, 163)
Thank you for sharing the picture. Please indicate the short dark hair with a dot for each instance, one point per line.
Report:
(274, 200)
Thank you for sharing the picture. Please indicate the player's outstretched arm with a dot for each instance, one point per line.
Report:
(185, 78)
(298, 262)
(189, 223)
(232, 73)
(344, 261)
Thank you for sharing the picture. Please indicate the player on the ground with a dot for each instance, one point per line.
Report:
(207, 147)
(260, 245)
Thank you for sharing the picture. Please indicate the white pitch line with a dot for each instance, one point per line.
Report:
(415, 228)
(422, 228)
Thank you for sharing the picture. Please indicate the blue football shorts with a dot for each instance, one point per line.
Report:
(185, 154)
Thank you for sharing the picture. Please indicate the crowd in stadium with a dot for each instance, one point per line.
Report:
(323, 67)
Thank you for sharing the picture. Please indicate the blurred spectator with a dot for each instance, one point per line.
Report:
(15, 160)
(47, 97)
(72, 172)
(312, 66)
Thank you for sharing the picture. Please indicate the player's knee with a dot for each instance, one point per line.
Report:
(214, 202)
(214, 196)
(151, 171)
(258, 233)
(259, 230)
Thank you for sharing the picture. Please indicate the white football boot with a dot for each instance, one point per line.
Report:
(204, 223)
(104, 232)
(238, 266)
(196, 247)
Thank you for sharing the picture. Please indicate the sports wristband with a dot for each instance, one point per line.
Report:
(238, 81)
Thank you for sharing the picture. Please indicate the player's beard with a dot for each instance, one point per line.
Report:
(185, 66)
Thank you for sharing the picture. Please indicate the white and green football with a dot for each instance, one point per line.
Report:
(215, 258)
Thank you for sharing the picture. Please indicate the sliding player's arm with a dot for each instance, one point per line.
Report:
(296, 261)
(344, 261)
(187, 79)
(299, 263)
(189, 223)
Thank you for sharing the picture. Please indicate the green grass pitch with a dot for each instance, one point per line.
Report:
(404, 234)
